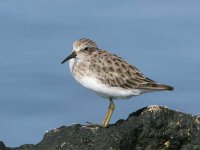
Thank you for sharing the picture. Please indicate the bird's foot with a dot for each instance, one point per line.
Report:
(90, 125)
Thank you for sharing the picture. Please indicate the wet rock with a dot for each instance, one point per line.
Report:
(150, 128)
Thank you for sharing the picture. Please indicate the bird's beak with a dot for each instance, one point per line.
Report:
(72, 55)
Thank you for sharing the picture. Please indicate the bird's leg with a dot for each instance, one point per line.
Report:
(109, 113)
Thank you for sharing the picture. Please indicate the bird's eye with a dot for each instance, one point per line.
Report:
(86, 48)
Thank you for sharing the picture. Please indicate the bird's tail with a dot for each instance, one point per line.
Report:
(164, 87)
(157, 87)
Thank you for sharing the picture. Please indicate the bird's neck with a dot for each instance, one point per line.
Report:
(71, 64)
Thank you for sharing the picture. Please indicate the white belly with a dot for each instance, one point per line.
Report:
(106, 91)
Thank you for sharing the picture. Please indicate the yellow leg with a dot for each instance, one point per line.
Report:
(109, 113)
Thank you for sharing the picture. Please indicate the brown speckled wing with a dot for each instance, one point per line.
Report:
(115, 72)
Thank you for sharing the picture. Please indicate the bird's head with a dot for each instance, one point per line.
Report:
(79, 46)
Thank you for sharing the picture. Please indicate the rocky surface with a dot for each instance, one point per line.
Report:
(150, 128)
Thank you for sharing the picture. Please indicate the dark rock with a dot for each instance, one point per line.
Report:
(2, 146)
(150, 128)
(25, 147)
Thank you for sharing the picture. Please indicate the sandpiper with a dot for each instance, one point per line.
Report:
(107, 74)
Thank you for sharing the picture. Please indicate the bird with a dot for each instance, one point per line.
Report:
(108, 75)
